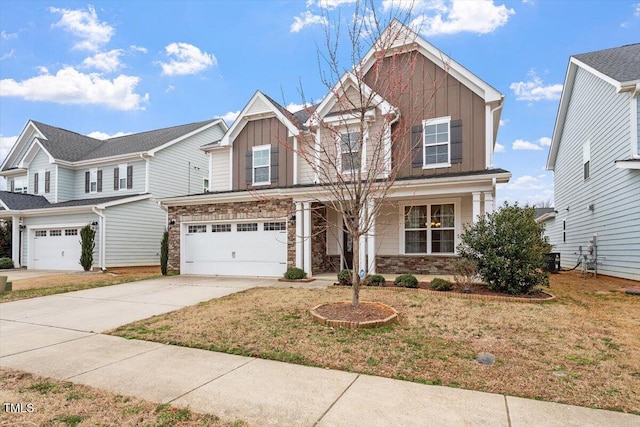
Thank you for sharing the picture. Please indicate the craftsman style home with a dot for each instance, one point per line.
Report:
(270, 203)
(595, 157)
(59, 181)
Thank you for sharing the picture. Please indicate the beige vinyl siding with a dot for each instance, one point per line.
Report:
(66, 181)
(181, 168)
(598, 114)
(333, 233)
(56, 221)
(134, 232)
(387, 230)
(306, 175)
(220, 173)
(40, 164)
(107, 181)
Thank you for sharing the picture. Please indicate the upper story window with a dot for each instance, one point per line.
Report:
(350, 155)
(261, 165)
(586, 160)
(123, 177)
(36, 183)
(93, 180)
(437, 141)
(20, 184)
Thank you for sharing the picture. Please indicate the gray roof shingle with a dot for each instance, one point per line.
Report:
(620, 63)
(20, 201)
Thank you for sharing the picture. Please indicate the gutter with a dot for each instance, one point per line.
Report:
(102, 224)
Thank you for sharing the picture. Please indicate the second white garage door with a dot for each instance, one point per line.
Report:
(235, 249)
(55, 249)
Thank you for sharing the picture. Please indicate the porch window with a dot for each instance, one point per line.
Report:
(350, 155)
(262, 165)
(429, 229)
(436, 143)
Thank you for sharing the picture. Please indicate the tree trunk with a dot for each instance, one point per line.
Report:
(355, 287)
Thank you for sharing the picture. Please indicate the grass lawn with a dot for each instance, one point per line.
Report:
(69, 282)
(583, 349)
(61, 403)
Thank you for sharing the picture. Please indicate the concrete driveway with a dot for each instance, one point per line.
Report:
(23, 273)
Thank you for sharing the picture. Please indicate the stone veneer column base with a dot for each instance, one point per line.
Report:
(415, 264)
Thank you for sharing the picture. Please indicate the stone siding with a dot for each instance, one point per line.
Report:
(259, 209)
(425, 264)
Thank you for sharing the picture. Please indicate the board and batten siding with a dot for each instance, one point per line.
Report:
(66, 182)
(40, 164)
(220, 173)
(107, 181)
(56, 221)
(134, 233)
(181, 168)
(596, 113)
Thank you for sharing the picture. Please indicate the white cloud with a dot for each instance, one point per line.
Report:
(102, 135)
(135, 48)
(8, 36)
(85, 25)
(535, 90)
(230, 116)
(43, 70)
(457, 16)
(104, 61)
(545, 141)
(186, 59)
(332, 4)
(6, 142)
(69, 86)
(503, 122)
(636, 9)
(305, 19)
(499, 148)
(527, 189)
(293, 107)
(521, 144)
(7, 55)
(170, 88)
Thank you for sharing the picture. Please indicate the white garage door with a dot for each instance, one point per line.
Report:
(235, 249)
(56, 249)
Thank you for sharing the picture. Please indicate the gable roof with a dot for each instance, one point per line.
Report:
(21, 201)
(619, 66)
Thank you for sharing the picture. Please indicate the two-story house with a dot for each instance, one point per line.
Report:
(59, 181)
(595, 159)
(270, 206)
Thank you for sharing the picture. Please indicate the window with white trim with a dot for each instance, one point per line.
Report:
(205, 185)
(55, 233)
(201, 228)
(437, 142)
(586, 160)
(429, 229)
(275, 226)
(220, 228)
(93, 180)
(261, 165)
(350, 155)
(122, 177)
(20, 184)
(251, 226)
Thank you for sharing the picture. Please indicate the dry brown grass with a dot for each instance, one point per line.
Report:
(61, 403)
(583, 349)
(68, 282)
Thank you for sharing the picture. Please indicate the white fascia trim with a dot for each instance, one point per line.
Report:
(123, 201)
(18, 142)
(54, 211)
(14, 173)
(31, 153)
(242, 119)
(102, 161)
(621, 164)
(546, 217)
(183, 137)
(611, 81)
(435, 55)
(4, 205)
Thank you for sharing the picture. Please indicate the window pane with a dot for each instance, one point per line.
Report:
(430, 129)
(443, 128)
(349, 141)
(253, 226)
(261, 157)
(430, 139)
(442, 241)
(415, 242)
(261, 174)
(350, 161)
(415, 216)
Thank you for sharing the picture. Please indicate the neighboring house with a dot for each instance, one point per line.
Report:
(595, 156)
(59, 181)
(268, 208)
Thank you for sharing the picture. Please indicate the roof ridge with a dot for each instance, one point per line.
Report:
(160, 129)
(64, 130)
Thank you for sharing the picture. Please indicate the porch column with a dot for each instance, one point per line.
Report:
(362, 243)
(489, 205)
(15, 240)
(299, 240)
(476, 207)
(371, 241)
(306, 238)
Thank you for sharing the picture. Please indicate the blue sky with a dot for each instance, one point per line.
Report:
(108, 67)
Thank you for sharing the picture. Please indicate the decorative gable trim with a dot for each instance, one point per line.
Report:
(22, 139)
(32, 152)
(217, 122)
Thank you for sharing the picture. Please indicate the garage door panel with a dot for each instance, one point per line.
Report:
(56, 249)
(231, 252)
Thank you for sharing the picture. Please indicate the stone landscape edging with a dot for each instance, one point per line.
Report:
(318, 318)
(491, 297)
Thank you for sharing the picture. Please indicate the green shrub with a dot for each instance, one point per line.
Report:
(88, 242)
(374, 280)
(345, 278)
(6, 263)
(164, 253)
(438, 284)
(406, 281)
(509, 248)
(295, 273)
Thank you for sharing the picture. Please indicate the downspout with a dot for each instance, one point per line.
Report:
(103, 236)
(146, 172)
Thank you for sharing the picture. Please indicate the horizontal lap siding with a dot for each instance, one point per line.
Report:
(107, 181)
(220, 173)
(66, 182)
(181, 168)
(134, 232)
(40, 164)
(599, 114)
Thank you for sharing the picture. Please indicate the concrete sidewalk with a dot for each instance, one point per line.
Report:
(51, 337)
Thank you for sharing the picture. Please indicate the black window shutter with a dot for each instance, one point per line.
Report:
(416, 147)
(130, 176)
(35, 183)
(87, 178)
(456, 141)
(13, 185)
(248, 159)
(100, 181)
(47, 181)
(274, 165)
(116, 178)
